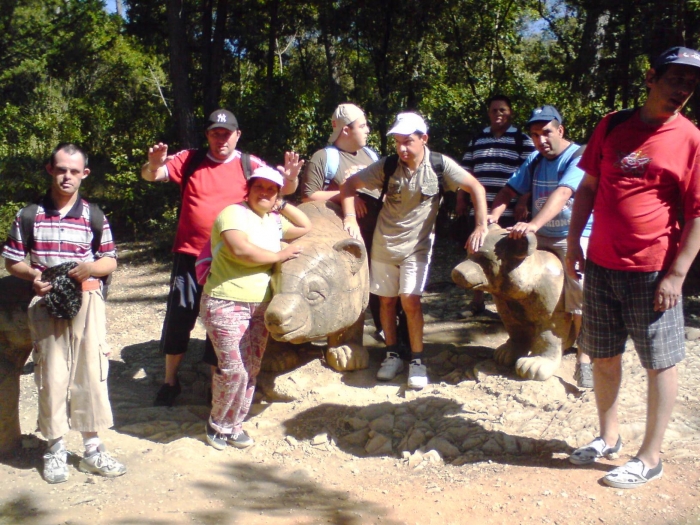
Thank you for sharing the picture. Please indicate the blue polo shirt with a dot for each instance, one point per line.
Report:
(548, 177)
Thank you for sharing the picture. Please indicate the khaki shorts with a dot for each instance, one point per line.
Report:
(391, 280)
(70, 367)
(573, 289)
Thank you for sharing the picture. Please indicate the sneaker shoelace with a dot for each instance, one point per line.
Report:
(54, 460)
(103, 459)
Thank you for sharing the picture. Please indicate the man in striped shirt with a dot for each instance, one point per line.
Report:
(493, 156)
(70, 355)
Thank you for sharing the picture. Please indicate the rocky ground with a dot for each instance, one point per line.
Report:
(477, 446)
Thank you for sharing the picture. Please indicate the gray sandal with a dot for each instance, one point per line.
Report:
(583, 374)
(595, 450)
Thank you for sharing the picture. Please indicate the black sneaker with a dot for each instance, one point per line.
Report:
(215, 438)
(240, 440)
(167, 394)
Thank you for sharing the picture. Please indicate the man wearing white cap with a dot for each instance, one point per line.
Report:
(403, 239)
(639, 176)
(345, 155)
(209, 179)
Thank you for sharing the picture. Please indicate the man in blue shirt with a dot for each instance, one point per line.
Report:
(552, 175)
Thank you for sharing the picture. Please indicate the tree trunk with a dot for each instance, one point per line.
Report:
(585, 69)
(272, 44)
(213, 53)
(183, 108)
(331, 70)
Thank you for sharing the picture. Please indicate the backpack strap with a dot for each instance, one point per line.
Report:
(438, 164)
(247, 166)
(390, 165)
(192, 165)
(97, 222)
(618, 118)
(372, 154)
(332, 165)
(27, 218)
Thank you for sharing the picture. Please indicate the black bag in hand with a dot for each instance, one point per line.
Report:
(66, 295)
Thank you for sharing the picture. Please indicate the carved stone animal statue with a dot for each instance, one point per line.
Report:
(527, 287)
(322, 293)
(15, 347)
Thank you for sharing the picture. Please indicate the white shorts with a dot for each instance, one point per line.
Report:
(390, 280)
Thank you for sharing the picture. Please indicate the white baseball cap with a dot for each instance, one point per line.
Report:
(407, 124)
(271, 174)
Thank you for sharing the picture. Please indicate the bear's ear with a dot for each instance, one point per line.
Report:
(516, 249)
(531, 244)
(354, 251)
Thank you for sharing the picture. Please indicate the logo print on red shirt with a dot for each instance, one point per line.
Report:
(634, 164)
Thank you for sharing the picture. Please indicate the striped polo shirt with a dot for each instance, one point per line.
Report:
(493, 160)
(59, 239)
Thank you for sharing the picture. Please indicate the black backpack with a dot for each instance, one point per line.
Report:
(27, 218)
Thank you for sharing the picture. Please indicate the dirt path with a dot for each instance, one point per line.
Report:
(335, 452)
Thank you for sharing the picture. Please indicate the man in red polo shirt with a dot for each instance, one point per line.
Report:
(217, 181)
(641, 171)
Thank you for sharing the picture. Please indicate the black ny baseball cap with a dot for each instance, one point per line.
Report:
(222, 118)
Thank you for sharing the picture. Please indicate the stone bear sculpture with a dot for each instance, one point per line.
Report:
(322, 293)
(527, 287)
(15, 347)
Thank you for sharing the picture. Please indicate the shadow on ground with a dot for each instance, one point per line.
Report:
(246, 489)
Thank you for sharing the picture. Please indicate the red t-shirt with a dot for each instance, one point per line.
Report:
(213, 186)
(647, 176)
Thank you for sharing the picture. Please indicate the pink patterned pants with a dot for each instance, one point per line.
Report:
(237, 331)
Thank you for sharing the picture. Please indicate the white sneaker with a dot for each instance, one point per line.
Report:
(417, 375)
(55, 463)
(100, 462)
(391, 367)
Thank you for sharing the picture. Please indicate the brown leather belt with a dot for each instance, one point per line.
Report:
(89, 286)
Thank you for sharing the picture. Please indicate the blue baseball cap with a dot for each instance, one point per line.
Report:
(544, 114)
(682, 56)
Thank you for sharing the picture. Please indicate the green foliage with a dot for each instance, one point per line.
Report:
(71, 75)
